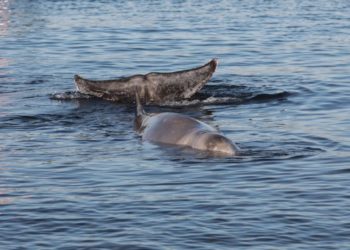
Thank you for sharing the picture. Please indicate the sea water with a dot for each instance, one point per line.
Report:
(75, 175)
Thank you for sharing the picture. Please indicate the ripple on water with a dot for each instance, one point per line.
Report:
(74, 174)
(209, 95)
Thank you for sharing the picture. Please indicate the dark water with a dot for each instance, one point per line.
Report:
(74, 175)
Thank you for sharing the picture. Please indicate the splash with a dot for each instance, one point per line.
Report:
(209, 95)
(69, 95)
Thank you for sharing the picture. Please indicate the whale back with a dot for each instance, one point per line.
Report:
(172, 128)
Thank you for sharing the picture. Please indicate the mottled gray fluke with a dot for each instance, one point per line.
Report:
(153, 87)
(177, 129)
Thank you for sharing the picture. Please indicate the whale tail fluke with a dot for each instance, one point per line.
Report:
(77, 80)
(81, 84)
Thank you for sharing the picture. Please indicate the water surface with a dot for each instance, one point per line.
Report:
(74, 175)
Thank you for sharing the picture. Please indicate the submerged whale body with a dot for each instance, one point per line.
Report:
(152, 88)
(177, 129)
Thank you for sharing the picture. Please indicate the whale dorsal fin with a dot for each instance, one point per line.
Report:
(140, 113)
(139, 108)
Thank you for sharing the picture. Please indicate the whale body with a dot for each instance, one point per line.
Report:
(178, 129)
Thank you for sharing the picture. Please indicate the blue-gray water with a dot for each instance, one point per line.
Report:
(74, 175)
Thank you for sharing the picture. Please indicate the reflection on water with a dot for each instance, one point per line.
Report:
(3, 199)
(4, 63)
(4, 16)
(4, 25)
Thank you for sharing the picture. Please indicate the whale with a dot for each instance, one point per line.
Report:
(154, 87)
(178, 129)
